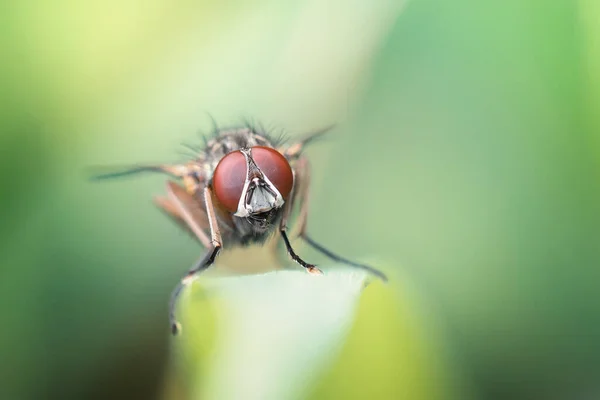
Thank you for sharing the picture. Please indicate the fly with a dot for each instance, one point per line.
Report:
(238, 190)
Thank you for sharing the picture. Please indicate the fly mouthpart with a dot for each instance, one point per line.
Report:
(259, 194)
(261, 197)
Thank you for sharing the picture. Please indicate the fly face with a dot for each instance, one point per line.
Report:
(253, 183)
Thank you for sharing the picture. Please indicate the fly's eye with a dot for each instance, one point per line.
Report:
(229, 178)
(275, 167)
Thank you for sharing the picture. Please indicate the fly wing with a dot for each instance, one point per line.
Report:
(101, 173)
(190, 209)
(172, 212)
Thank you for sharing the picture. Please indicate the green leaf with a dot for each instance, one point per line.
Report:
(281, 335)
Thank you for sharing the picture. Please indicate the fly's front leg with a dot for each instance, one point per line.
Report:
(310, 268)
(185, 205)
(202, 264)
(303, 170)
(287, 210)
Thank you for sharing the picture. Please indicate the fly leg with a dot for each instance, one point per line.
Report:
(287, 210)
(343, 260)
(184, 205)
(310, 268)
(202, 264)
(303, 169)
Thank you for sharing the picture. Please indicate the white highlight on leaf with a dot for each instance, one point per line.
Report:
(278, 332)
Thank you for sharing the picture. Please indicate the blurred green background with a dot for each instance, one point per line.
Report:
(466, 155)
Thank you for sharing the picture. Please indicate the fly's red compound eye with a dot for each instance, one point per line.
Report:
(229, 178)
(275, 167)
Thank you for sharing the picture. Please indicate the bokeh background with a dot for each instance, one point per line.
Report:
(466, 155)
